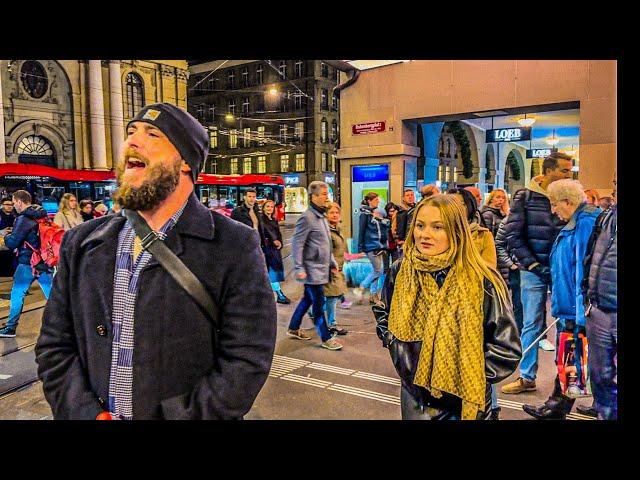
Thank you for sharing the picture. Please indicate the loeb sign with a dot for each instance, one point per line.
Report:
(540, 152)
(508, 134)
(364, 128)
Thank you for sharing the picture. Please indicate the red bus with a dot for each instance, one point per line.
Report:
(225, 192)
(47, 184)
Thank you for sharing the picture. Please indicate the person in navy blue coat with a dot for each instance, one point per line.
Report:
(569, 202)
(138, 347)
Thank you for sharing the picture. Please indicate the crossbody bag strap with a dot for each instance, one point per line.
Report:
(173, 265)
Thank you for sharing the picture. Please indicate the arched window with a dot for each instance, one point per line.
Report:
(134, 89)
(36, 149)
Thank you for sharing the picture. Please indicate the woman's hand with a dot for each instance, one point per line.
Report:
(277, 244)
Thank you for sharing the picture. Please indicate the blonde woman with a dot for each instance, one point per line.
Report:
(68, 215)
(495, 210)
(446, 318)
(337, 286)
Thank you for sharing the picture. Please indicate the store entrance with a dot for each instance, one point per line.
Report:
(365, 179)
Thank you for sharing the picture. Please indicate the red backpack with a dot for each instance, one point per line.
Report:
(50, 240)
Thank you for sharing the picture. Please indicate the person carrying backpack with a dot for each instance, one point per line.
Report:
(25, 230)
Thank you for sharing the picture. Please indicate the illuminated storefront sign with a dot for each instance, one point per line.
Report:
(508, 134)
(540, 152)
(291, 180)
(371, 173)
(365, 128)
(330, 178)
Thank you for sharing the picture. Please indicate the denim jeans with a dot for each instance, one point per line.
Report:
(372, 280)
(331, 310)
(534, 301)
(602, 333)
(22, 280)
(275, 286)
(516, 300)
(494, 397)
(313, 297)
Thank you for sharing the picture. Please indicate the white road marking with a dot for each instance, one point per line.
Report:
(331, 368)
(283, 366)
(5, 377)
(314, 382)
(378, 378)
(360, 392)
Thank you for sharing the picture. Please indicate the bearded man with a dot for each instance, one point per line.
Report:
(138, 346)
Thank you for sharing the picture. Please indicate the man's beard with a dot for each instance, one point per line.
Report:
(160, 183)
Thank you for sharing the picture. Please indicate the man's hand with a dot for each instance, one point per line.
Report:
(5, 231)
(277, 244)
(335, 271)
(543, 272)
(301, 276)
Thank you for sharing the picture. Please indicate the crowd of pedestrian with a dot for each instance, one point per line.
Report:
(458, 289)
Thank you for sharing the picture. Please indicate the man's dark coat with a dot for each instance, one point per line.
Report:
(177, 371)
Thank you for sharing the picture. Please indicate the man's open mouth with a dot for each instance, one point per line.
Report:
(135, 163)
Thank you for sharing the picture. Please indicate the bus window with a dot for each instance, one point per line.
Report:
(81, 190)
(228, 196)
(103, 191)
(209, 195)
(48, 192)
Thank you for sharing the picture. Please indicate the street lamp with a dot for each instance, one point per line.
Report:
(229, 117)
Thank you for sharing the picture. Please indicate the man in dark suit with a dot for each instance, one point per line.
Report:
(139, 347)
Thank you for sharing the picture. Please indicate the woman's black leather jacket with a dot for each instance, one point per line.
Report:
(501, 345)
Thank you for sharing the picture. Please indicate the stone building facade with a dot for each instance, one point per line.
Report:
(72, 113)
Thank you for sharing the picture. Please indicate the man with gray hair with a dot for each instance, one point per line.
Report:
(314, 263)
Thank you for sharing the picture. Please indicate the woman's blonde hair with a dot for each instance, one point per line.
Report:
(465, 255)
(505, 205)
(64, 203)
(331, 205)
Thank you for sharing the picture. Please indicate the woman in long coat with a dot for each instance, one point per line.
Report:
(272, 248)
(68, 215)
(446, 318)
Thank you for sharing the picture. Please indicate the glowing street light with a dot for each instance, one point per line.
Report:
(273, 91)
(229, 117)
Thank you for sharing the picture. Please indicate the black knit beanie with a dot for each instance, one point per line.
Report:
(185, 132)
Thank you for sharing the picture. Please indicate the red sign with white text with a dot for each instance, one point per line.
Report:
(371, 127)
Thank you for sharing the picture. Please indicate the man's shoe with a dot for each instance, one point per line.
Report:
(299, 334)
(519, 386)
(282, 298)
(546, 345)
(544, 412)
(346, 304)
(7, 332)
(589, 411)
(331, 344)
(495, 414)
(338, 330)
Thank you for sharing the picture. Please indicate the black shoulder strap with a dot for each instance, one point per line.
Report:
(173, 265)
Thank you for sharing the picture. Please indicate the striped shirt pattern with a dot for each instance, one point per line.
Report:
(125, 291)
